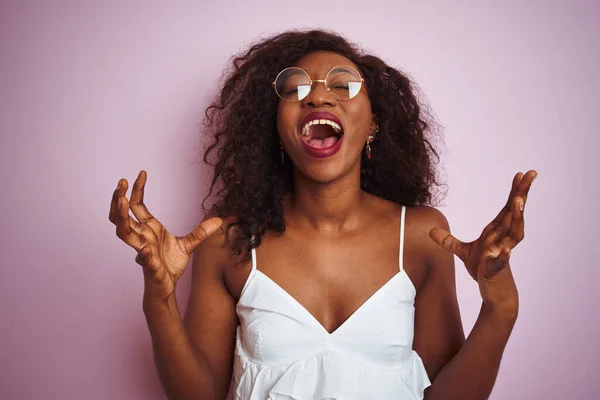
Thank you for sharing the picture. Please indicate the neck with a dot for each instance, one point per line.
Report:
(328, 208)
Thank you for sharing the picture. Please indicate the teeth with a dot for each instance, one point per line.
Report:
(307, 126)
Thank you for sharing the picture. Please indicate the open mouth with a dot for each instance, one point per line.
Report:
(321, 133)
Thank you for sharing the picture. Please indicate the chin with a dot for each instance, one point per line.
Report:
(324, 171)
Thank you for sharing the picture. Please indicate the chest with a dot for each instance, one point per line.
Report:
(332, 279)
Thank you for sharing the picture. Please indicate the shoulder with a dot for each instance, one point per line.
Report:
(426, 218)
(420, 220)
(214, 251)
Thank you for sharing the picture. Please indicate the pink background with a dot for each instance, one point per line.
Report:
(92, 93)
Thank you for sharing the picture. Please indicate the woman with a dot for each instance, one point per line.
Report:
(332, 276)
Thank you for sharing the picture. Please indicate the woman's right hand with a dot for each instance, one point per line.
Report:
(162, 255)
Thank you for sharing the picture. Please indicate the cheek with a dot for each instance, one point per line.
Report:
(359, 117)
(287, 117)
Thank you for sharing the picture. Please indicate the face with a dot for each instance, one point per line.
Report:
(342, 125)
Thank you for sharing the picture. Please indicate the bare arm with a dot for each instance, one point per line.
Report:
(472, 371)
(438, 328)
(458, 369)
(183, 372)
(193, 363)
(195, 360)
(210, 318)
(471, 374)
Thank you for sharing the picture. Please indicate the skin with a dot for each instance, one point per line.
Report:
(348, 241)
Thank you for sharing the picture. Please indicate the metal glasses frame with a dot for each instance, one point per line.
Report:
(316, 80)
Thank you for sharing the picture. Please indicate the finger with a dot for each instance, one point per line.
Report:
(497, 262)
(497, 230)
(516, 233)
(137, 199)
(445, 239)
(515, 184)
(126, 226)
(120, 191)
(202, 231)
(525, 185)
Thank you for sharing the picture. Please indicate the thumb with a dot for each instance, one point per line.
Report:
(445, 240)
(200, 233)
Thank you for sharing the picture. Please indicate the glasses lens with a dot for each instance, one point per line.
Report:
(292, 84)
(344, 82)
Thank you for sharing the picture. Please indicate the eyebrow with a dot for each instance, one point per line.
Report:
(311, 73)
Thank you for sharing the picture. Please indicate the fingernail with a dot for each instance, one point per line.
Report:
(119, 185)
(119, 204)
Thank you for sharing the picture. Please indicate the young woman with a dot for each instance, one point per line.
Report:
(332, 276)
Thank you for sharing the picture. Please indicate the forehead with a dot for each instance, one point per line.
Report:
(318, 63)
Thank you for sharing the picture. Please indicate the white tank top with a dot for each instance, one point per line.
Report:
(283, 352)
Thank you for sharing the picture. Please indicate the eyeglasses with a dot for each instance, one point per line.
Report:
(293, 84)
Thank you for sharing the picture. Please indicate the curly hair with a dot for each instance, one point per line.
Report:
(242, 120)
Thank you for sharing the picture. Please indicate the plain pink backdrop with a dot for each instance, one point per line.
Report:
(92, 93)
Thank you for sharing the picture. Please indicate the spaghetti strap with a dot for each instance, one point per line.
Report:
(253, 259)
(253, 251)
(253, 270)
(401, 251)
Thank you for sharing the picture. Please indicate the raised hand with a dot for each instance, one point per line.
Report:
(162, 255)
(488, 255)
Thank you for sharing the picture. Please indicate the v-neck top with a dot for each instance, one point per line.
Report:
(283, 352)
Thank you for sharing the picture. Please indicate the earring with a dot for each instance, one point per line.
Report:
(368, 148)
(282, 153)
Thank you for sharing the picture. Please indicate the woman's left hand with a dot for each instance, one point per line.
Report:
(487, 258)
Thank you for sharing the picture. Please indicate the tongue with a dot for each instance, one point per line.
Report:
(322, 137)
(323, 143)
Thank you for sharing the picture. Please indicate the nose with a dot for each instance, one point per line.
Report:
(318, 96)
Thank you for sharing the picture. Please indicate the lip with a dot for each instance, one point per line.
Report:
(320, 115)
(321, 153)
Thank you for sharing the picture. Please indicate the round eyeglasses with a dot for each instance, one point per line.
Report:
(293, 83)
